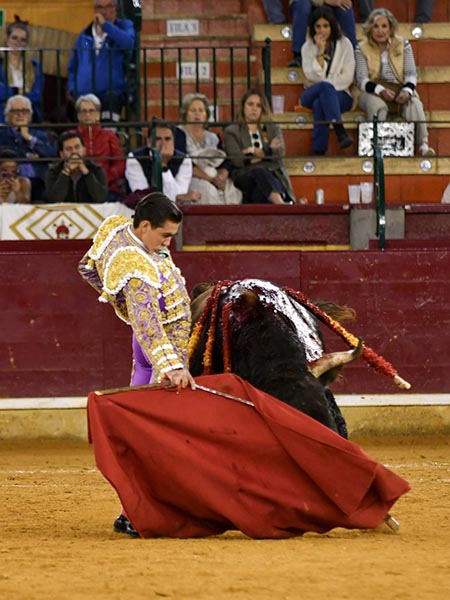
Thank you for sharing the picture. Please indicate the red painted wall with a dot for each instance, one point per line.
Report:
(57, 340)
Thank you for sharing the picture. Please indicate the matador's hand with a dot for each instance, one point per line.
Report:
(180, 378)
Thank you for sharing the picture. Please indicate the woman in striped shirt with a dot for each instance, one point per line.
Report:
(387, 77)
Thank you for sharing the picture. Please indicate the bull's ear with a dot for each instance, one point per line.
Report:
(201, 288)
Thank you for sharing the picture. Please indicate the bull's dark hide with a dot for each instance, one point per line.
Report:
(267, 352)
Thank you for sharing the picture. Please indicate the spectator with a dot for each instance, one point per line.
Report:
(387, 77)
(301, 11)
(14, 188)
(211, 170)
(424, 10)
(255, 147)
(274, 11)
(27, 143)
(20, 73)
(102, 144)
(176, 168)
(329, 66)
(99, 60)
(75, 178)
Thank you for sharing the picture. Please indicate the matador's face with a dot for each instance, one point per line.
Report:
(156, 238)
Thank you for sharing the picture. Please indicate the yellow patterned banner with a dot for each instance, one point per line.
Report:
(55, 221)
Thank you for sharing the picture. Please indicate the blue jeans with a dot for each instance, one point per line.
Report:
(300, 11)
(327, 105)
(274, 11)
(424, 11)
(365, 8)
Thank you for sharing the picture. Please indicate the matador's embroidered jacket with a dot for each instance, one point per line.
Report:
(146, 290)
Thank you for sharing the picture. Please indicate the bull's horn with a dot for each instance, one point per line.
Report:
(335, 359)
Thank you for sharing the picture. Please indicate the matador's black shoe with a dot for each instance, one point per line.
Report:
(121, 524)
(131, 531)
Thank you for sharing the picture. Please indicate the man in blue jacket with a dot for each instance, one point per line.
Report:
(98, 61)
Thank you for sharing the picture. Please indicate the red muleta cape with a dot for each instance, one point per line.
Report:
(193, 464)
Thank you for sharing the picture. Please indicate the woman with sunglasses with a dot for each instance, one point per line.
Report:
(14, 189)
(255, 146)
(20, 72)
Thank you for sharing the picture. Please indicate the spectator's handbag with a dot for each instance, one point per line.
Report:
(394, 109)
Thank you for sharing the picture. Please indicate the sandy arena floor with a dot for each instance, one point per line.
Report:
(57, 540)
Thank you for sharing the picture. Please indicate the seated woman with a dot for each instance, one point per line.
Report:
(256, 148)
(102, 144)
(20, 73)
(14, 188)
(329, 67)
(211, 170)
(387, 77)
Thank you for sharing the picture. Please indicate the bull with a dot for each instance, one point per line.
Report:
(262, 333)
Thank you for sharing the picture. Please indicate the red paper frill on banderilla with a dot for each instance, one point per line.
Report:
(193, 464)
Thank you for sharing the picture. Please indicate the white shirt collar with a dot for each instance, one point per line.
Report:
(135, 238)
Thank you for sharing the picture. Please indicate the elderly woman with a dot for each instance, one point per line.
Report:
(256, 148)
(102, 144)
(20, 73)
(387, 77)
(329, 67)
(31, 143)
(211, 170)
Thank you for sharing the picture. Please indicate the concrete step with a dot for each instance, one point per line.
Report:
(303, 119)
(399, 189)
(405, 181)
(433, 87)
(283, 33)
(430, 74)
(217, 25)
(426, 52)
(298, 135)
(343, 165)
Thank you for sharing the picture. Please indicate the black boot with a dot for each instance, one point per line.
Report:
(345, 140)
(296, 61)
(131, 531)
(121, 524)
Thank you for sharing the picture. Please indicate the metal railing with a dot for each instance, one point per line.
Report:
(158, 78)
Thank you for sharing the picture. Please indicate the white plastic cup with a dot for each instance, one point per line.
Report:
(278, 104)
(366, 192)
(354, 192)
